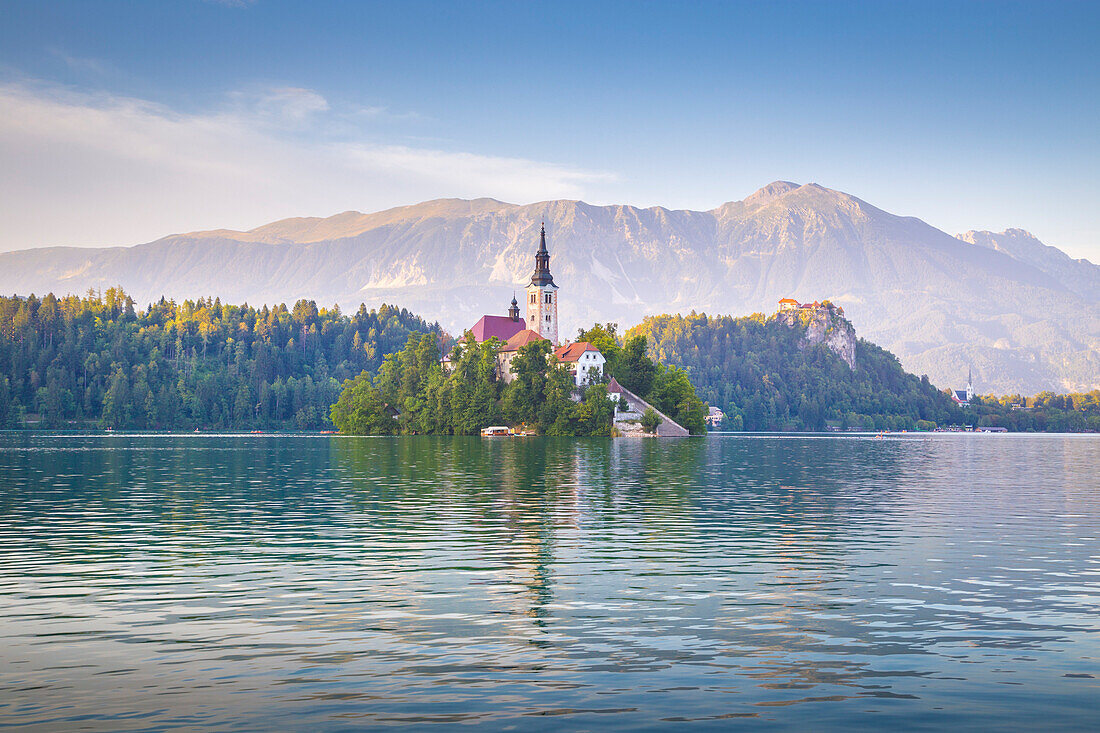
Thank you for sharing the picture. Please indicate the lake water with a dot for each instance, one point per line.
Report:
(332, 583)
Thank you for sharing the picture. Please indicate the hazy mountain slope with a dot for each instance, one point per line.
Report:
(1080, 276)
(1026, 319)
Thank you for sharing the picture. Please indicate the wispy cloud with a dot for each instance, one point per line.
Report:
(83, 64)
(279, 106)
(105, 169)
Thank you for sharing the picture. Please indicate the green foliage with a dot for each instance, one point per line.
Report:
(633, 367)
(470, 395)
(673, 394)
(524, 396)
(1045, 412)
(650, 420)
(198, 364)
(595, 413)
(360, 409)
(764, 377)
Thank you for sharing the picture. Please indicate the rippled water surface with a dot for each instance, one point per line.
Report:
(331, 583)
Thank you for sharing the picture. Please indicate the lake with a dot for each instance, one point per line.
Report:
(311, 583)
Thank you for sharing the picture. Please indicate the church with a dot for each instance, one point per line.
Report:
(540, 322)
(963, 397)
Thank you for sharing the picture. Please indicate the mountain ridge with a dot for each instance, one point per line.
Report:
(1024, 315)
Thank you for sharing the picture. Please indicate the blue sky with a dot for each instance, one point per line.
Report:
(121, 122)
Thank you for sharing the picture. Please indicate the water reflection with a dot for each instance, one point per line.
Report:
(293, 582)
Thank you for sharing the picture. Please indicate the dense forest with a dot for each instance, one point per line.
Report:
(764, 376)
(97, 361)
(413, 394)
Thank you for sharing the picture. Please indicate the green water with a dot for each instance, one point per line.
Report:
(331, 583)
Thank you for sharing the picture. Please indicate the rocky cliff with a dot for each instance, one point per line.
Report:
(824, 323)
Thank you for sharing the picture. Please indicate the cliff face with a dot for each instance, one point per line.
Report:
(824, 324)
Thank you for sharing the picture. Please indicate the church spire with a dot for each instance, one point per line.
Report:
(542, 274)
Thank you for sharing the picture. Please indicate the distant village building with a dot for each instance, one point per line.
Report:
(788, 304)
(715, 417)
(963, 397)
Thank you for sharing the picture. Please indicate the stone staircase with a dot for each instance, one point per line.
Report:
(668, 427)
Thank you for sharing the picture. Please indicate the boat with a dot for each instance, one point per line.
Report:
(495, 431)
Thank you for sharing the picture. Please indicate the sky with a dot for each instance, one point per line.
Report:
(121, 122)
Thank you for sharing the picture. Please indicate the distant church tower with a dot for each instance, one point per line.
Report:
(969, 384)
(542, 296)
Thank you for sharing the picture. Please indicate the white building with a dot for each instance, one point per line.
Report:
(583, 360)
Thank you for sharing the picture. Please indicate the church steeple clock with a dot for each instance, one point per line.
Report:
(542, 296)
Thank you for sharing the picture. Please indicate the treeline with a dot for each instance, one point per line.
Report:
(1045, 412)
(413, 394)
(764, 376)
(99, 361)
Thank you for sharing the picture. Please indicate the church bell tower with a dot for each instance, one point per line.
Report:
(542, 296)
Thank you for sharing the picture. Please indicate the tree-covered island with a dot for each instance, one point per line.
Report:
(414, 393)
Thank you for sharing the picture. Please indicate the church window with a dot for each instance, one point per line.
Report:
(533, 298)
(532, 319)
(549, 297)
(547, 318)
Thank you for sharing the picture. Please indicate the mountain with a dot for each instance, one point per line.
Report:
(1024, 318)
(1080, 276)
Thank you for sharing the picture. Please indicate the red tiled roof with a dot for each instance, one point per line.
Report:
(613, 387)
(501, 327)
(572, 352)
(789, 300)
(522, 338)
